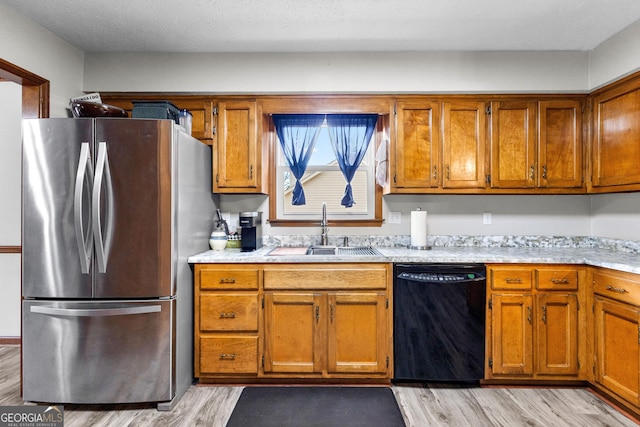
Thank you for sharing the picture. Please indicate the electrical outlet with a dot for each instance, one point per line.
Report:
(395, 217)
(486, 218)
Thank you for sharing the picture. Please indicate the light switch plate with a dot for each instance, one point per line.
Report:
(395, 217)
(486, 218)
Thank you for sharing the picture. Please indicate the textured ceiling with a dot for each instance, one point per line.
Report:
(330, 25)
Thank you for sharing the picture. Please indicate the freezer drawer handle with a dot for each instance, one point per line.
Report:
(84, 241)
(102, 240)
(99, 312)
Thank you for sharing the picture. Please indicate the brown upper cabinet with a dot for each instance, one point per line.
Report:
(238, 150)
(537, 145)
(414, 157)
(616, 138)
(464, 144)
(471, 145)
(560, 147)
(513, 142)
(201, 108)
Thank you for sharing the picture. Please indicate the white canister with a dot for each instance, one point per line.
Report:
(218, 240)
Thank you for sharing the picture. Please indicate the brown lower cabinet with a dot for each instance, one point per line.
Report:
(536, 322)
(617, 333)
(261, 322)
(332, 333)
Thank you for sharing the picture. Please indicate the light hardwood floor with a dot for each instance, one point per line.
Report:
(421, 406)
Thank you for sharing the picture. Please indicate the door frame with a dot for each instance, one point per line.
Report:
(35, 90)
(35, 104)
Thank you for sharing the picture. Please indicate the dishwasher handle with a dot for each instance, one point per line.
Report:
(416, 277)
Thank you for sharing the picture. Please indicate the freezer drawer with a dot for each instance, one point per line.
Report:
(98, 352)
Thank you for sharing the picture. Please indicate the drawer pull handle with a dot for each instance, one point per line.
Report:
(228, 356)
(614, 289)
(511, 280)
(231, 315)
(225, 280)
(563, 281)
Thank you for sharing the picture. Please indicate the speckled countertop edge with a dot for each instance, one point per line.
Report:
(597, 257)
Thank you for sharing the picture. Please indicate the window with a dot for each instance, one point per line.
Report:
(323, 181)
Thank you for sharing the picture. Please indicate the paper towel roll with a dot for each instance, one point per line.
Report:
(418, 229)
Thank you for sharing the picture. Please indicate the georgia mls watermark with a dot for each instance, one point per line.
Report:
(31, 416)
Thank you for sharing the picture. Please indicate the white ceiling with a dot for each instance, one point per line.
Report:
(330, 25)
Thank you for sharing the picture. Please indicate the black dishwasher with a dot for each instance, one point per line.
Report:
(439, 319)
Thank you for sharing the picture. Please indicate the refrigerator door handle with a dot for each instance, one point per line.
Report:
(84, 241)
(98, 312)
(102, 240)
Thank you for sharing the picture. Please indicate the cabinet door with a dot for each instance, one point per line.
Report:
(557, 334)
(513, 142)
(560, 144)
(357, 333)
(415, 155)
(294, 327)
(616, 141)
(236, 149)
(511, 334)
(463, 145)
(202, 112)
(617, 350)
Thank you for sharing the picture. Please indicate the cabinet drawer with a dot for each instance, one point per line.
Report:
(617, 287)
(557, 279)
(228, 312)
(329, 276)
(232, 278)
(511, 278)
(229, 355)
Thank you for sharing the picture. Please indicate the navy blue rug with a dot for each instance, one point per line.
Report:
(316, 406)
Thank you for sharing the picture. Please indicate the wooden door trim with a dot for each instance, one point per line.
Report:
(35, 89)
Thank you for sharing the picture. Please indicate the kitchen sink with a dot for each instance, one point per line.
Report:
(343, 250)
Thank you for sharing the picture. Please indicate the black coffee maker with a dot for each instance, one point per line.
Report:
(251, 223)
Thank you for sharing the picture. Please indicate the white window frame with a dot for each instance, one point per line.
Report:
(334, 210)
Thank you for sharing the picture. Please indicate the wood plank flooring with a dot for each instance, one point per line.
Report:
(211, 406)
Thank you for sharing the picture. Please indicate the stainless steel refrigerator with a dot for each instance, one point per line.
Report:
(112, 208)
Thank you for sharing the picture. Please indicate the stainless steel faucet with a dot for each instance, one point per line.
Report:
(324, 236)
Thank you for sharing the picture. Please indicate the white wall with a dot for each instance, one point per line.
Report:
(618, 56)
(414, 72)
(32, 47)
(616, 216)
(10, 177)
(10, 162)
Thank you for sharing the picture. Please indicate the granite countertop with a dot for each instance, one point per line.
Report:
(597, 257)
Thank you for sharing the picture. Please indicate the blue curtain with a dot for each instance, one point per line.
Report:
(350, 135)
(298, 134)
